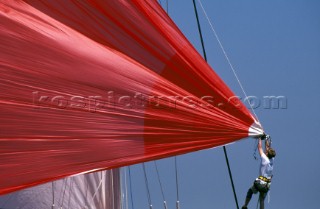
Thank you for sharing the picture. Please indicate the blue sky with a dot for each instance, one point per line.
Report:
(275, 48)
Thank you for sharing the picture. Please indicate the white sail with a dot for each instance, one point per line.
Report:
(99, 190)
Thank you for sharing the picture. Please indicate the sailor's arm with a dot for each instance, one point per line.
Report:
(267, 145)
(260, 147)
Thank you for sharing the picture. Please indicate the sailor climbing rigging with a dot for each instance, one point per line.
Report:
(263, 182)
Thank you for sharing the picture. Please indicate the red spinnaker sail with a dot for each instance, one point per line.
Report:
(94, 84)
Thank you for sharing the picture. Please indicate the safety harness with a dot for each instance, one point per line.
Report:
(262, 184)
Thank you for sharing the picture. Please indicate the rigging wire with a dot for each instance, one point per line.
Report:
(125, 193)
(130, 184)
(199, 30)
(230, 176)
(87, 187)
(159, 180)
(70, 192)
(177, 183)
(226, 56)
(167, 5)
(255, 148)
(205, 57)
(52, 185)
(62, 186)
(64, 191)
(127, 198)
(147, 185)
(112, 187)
(122, 188)
(100, 183)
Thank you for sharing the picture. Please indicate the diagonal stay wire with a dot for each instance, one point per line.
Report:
(147, 185)
(126, 188)
(224, 148)
(52, 185)
(230, 176)
(70, 193)
(160, 183)
(227, 58)
(177, 183)
(64, 191)
(130, 183)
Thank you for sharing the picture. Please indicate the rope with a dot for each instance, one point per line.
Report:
(230, 176)
(64, 187)
(126, 188)
(177, 183)
(147, 185)
(112, 187)
(205, 57)
(155, 164)
(52, 184)
(87, 187)
(70, 192)
(131, 196)
(158, 175)
(167, 6)
(199, 30)
(255, 148)
(99, 185)
(226, 56)
(122, 188)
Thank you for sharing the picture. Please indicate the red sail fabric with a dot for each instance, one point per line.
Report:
(93, 84)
